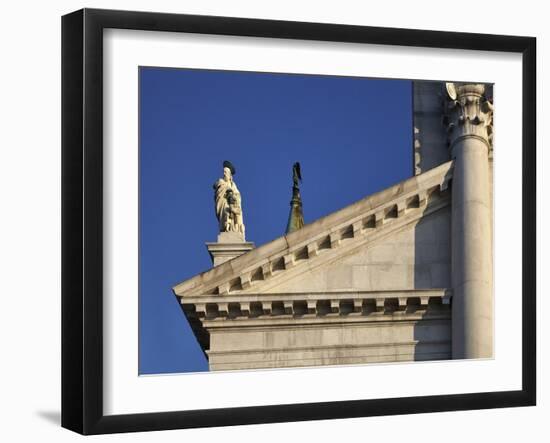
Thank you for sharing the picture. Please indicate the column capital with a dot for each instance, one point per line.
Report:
(468, 113)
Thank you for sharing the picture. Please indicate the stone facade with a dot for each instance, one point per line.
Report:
(340, 328)
(376, 281)
(430, 135)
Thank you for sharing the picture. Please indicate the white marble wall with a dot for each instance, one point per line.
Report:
(417, 257)
(342, 342)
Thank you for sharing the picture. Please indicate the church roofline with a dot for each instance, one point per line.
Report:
(287, 251)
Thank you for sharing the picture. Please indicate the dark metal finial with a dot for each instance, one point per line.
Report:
(296, 216)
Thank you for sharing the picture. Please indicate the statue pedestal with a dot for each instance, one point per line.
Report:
(228, 246)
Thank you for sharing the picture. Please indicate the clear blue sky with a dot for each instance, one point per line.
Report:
(352, 136)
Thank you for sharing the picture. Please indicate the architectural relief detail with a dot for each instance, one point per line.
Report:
(361, 303)
(468, 113)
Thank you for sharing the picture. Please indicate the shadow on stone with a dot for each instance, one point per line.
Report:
(432, 270)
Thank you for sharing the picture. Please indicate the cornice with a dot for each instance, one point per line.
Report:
(313, 310)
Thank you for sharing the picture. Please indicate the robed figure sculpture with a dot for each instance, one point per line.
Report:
(228, 202)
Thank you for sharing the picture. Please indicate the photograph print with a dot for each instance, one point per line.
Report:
(290, 220)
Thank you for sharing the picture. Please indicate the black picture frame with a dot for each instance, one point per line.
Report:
(82, 218)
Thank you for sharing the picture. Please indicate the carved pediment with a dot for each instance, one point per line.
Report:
(359, 225)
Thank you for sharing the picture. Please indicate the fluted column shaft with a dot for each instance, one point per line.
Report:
(470, 131)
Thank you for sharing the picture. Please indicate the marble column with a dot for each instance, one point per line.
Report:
(469, 118)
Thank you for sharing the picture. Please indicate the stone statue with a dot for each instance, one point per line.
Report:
(228, 202)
